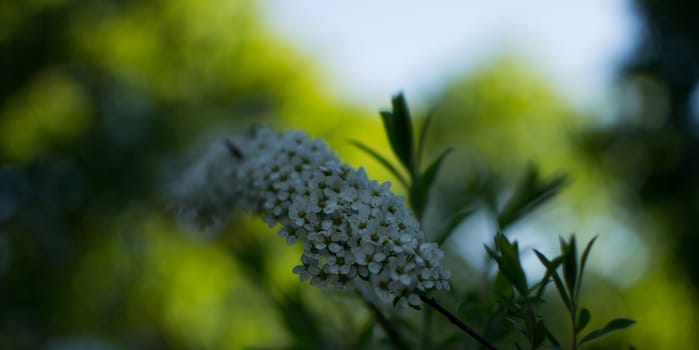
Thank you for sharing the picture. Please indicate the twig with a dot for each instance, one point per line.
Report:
(453, 319)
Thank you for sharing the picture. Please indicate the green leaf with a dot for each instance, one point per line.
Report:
(583, 320)
(452, 222)
(503, 288)
(530, 194)
(551, 269)
(540, 333)
(381, 160)
(509, 263)
(613, 325)
(493, 254)
(421, 140)
(399, 130)
(583, 261)
(419, 193)
(570, 266)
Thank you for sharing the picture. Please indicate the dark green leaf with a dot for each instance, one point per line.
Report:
(540, 333)
(421, 140)
(381, 160)
(493, 254)
(503, 288)
(583, 320)
(419, 193)
(570, 266)
(553, 265)
(399, 130)
(551, 270)
(613, 325)
(583, 261)
(509, 263)
(452, 222)
(529, 194)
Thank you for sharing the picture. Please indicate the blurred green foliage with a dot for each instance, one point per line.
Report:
(98, 101)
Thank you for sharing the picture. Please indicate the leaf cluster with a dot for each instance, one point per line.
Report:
(520, 303)
(399, 129)
(516, 304)
(569, 288)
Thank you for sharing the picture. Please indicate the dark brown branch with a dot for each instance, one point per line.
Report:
(455, 320)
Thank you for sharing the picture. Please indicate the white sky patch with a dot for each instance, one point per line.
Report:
(371, 49)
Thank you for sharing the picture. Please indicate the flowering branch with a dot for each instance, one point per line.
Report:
(350, 227)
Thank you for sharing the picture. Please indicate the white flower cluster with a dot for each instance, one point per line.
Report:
(349, 226)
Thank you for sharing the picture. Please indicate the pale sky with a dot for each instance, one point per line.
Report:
(370, 49)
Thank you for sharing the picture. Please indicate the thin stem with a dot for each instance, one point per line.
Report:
(531, 315)
(387, 326)
(455, 320)
(574, 318)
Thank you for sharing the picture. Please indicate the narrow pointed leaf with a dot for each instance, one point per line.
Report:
(613, 325)
(387, 164)
(503, 288)
(493, 254)
(583, 320)
(399, 130)
(509, 263)
(570, 266)
(540, 333)
(421, 141)
(420, 191)
(553, 265)
(583, 261)
(403, 120)
(452, 222)
(556, 279)
(530, 194)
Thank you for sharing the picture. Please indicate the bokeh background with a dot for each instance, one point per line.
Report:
(103, 102)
